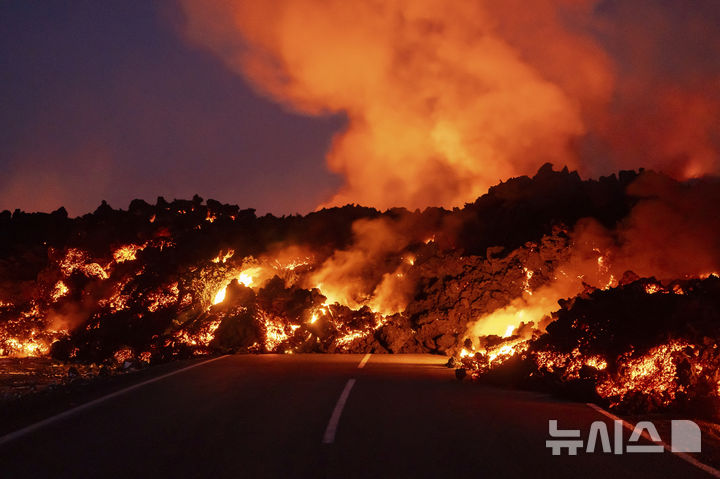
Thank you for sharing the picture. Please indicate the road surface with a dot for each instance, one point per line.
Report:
(272, 416)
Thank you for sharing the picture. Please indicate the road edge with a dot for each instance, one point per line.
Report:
(11, 436)
(682, 455)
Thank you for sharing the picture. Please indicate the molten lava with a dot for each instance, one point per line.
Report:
(587, 300)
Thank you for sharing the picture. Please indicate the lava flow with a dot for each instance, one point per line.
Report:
(602, 287)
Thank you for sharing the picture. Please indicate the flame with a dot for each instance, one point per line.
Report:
(506, 351)
(677, 289)
(220, 296)
(583, 268)
(245, 278)
(127, 253)
(509, 330)
(491, 356)
(31, 347)
(505, 320)
(222, 258)
(348, 277)
(59, 290)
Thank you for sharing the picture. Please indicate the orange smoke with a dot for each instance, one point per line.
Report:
(444, 99)
(366, 273)
(668, 235)
(440, 103)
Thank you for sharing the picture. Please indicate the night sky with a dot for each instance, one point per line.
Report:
(104, 100)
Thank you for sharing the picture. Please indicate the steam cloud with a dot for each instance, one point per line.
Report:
(445, 99)
(668, 235)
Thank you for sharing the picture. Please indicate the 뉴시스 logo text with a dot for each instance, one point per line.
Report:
(685, 436)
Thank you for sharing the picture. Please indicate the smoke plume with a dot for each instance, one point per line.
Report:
(667, 236)
(444, 99)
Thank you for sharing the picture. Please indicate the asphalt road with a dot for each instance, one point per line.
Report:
(268, 415)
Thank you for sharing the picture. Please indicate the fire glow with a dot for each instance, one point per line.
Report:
(436, 281)
(485, 82)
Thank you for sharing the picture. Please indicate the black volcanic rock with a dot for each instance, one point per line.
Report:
(469, 262)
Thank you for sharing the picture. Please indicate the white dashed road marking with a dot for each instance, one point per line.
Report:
(329, 436)
(364, 360)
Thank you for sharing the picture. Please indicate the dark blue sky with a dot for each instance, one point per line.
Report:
(104, 100)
